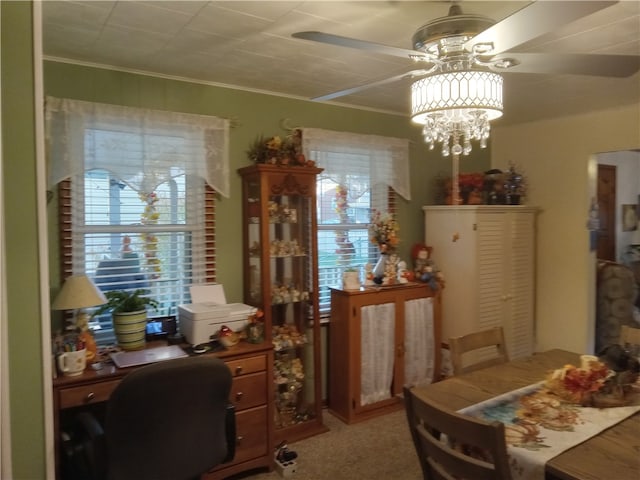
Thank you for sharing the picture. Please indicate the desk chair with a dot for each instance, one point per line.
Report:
(469, 344)
(166, 421)
(473, 449)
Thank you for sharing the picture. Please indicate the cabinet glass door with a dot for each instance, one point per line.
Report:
(291, 254)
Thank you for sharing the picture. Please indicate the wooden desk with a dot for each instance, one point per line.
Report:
(611, 454)
(251, 393)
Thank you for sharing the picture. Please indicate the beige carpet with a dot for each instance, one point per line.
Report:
(377, 449)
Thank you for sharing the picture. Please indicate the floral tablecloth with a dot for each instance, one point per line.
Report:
(538, 426)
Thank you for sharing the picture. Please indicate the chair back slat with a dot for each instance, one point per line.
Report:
(463, 346)
(629, 336)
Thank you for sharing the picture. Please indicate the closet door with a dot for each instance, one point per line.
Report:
(519, 288)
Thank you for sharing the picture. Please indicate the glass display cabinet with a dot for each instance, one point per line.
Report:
(281, 278)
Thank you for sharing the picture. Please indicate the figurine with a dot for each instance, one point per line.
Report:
(402, 272)
(368, 275)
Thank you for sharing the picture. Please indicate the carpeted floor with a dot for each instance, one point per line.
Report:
(380, 448)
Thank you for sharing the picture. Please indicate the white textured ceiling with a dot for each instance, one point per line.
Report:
(248, 45)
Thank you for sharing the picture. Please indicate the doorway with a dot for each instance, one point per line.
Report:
(606, 188)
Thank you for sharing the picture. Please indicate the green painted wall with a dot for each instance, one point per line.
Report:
(256, 114)
(21, 231)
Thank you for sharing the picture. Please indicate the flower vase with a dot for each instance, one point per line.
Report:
(380, 267)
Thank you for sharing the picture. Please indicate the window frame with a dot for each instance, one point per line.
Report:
(65, 236)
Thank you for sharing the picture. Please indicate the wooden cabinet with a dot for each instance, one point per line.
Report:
(281, 278)
(487, 255)
(251, 394)
(379, 339)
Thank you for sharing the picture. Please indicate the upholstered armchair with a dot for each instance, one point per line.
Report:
(616, 292)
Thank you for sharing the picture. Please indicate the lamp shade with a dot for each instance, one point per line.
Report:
(78, 291)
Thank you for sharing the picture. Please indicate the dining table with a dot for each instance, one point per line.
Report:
(613, 453)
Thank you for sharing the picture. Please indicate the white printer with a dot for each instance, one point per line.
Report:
(200, 320)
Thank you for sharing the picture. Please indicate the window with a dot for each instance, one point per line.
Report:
(361, 173)
(136, 213)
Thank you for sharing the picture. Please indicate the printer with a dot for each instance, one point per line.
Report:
(201, 320)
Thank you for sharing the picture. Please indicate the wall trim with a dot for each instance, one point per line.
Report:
(43, 250)
(5, 411)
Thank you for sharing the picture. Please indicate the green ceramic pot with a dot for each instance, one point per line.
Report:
(130, 329)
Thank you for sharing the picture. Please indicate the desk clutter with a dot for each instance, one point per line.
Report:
(285, 460)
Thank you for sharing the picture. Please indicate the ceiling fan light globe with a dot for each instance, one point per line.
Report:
(457, 104)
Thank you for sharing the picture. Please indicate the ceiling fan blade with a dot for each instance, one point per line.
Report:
(360, 45)
(532, 21)
(575, 64)
(349, 91)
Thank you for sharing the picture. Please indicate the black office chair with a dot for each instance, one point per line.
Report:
(170, 420)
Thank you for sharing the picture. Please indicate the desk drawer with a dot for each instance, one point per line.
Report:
(87, 394)
(249, 391)
(247, 365)
(251, 434)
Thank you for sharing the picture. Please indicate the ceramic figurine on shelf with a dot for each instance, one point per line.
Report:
(402, 272)
(228, 337)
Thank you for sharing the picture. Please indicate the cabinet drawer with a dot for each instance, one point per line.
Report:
(87, 394)
(249, 391)
(247, 365)
(251, 434)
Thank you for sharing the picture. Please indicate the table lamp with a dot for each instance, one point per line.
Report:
(78, 293)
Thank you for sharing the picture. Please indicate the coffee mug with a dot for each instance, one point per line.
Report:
(72, 363)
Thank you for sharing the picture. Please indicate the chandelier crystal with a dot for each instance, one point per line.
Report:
(456, 107)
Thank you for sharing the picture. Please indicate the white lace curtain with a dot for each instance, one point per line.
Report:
(377, 344)
(419, 355)
(143, 148)
(358, 161)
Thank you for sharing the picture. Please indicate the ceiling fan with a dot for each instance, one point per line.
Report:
(460, 58)
(460, 40)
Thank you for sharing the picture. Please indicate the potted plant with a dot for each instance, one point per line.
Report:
(129, 313)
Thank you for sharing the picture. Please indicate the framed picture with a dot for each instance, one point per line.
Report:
(629, 217)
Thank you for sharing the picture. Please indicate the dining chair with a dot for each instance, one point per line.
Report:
(466, 348)
(454, 446)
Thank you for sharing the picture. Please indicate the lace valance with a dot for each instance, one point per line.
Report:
(143, 148)
(346, 156)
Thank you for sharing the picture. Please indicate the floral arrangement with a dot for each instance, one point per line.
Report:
(342, 203)
(150, 216)
(514, 183)
(471, 181)
(383, 230)
(493, 187)
(577, 384)
(279, 151)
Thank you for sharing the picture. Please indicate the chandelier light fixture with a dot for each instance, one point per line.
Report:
(456, 107)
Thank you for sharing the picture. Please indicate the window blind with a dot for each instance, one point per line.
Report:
(361, 174)
(122, 240)
(135, 211)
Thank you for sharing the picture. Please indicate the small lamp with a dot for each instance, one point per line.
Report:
(78, 292)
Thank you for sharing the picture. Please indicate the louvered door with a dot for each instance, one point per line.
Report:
(487, 256)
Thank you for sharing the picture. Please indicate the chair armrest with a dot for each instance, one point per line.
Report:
(230, 428)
